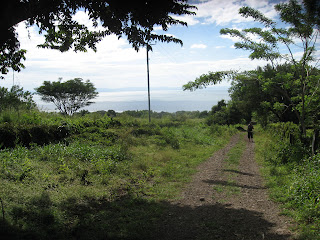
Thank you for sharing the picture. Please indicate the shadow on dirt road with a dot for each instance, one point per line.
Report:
(218, 221)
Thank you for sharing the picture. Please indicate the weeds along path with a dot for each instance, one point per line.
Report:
(226, 200)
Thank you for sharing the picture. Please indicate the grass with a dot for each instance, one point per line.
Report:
(105, 179)
(294, 184)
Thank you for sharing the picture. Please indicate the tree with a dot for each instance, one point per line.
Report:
(68, 96)
(216, 108)
(302, 26)
(15, 98)
(301, 80)
(263, 91)
(226, 113)
(313, 10)
(111, 113)
(133, 19)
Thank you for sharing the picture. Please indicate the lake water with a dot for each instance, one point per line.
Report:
(167, 100)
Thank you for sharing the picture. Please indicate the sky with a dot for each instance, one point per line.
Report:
(120, 73)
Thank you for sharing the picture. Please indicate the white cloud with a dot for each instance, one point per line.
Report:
(226, 12)
(113, 64)
(178, 74)
(256, 3)
(219, 12)
(82, 18)
(200, 46)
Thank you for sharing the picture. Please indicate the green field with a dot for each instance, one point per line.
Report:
(95, 177)
(90, 176)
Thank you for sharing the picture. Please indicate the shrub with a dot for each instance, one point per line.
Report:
(170, 138)
(7, 136)
(146, 130)
(287, 147)
(305, 188)
(25, 135)
(303, 196)
(286, 131)
(293, 178)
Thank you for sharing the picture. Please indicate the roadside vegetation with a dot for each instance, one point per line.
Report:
(73, 177)
(292, 175)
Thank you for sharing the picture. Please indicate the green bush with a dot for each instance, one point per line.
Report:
(8, 136)
(146, 130)
(293, 177)
(170, 138)
(304, 191)
(287, 144)
(31, 129)
(286, 131)
(15, 164)
(289, 153)
(25, 135)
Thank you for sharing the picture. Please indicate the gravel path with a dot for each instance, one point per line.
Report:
(223, 202)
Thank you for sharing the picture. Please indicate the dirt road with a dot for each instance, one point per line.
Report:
(225, 201)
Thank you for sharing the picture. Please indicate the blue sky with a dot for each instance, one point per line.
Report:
(119, 69)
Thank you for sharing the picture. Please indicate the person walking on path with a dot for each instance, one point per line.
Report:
(250, 132)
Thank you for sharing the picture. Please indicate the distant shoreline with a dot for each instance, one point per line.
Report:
(169, 100)
(156, 106)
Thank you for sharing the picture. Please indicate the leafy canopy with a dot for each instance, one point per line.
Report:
(68, 96)
(134, 20)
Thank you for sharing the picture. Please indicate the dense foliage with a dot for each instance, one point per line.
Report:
(229, 113)
(292, 175)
